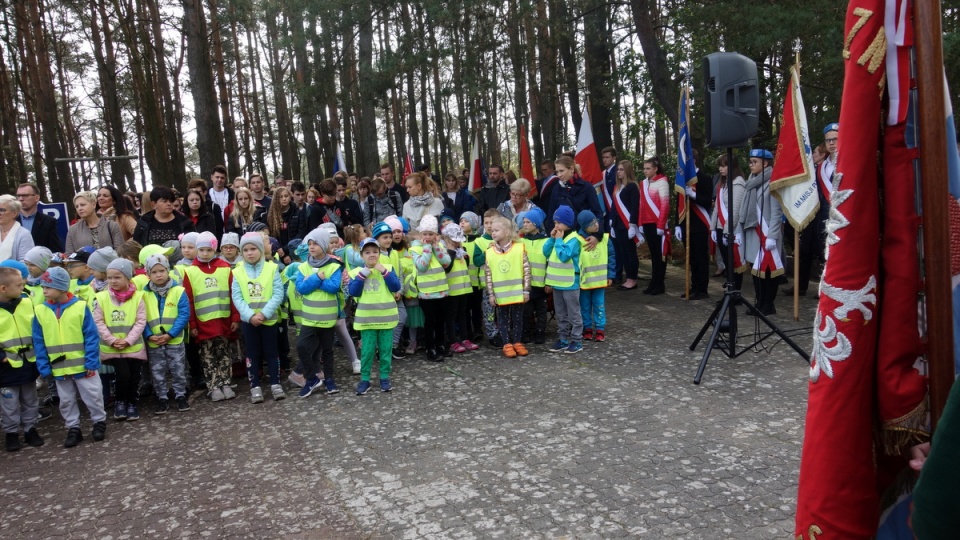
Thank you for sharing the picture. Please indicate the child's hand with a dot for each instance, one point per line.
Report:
(380, 268)
(120, 344)
(164, 339)
(234, 326)
(547, 289)
(193, 332)
(321, 274)
(609, 282)
(154, 339)
(90, 373)
(493, 300)
(526, 296)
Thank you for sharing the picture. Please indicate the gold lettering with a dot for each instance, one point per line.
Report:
(875, 52)
(812, 533)
(864, 15)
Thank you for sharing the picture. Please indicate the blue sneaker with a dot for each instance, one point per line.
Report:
(574, 348)
(559, 346)
(331, 386)
(308, 387)
(132, 412)
(385, 385)
(119, 410)
(363, 387)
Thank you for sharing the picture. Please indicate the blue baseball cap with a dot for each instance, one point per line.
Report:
(369, 242)
(761, 153)
(831, 127)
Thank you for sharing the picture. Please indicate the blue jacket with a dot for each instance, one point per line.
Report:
(308, 284)
(355, 289)
(578, 195)
(183, 313)
(465, 202)
(276, 297)
(567, 250)
(91, 339)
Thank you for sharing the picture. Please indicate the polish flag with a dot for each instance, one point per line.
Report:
(586, 156)
(526, 162)
(407, 165)
(476, 166)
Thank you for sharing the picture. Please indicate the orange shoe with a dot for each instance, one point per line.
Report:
(509, 351)
(520, 349)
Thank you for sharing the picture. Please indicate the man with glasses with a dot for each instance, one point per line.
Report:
(43, 228)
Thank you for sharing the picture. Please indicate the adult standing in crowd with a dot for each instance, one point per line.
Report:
(244, 212)
(494, 193)
(626, 225)
(699, 202)
(351, 208)
(161, 224)
(112, 206)
(42, 228)
(610, 171)
(456, 199)
(386, 172)
(423, 200)
(519, 200)
(575, 192)
(722, 217)
(197, 210)
(760, 230)
(15, 240)
(285, 221)
(213, 208)
(259, 188)
(326, 209)
(654, 209)
(381, 203)
(220, 194)
(545, 183)
(90, 229)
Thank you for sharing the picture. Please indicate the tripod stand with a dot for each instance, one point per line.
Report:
(724, 316)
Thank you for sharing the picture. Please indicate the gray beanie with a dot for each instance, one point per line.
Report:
(101, 258)
(254, 238)
(123, 266)
(39, 256)
(230, 239)
(320, 236)
(154, 260)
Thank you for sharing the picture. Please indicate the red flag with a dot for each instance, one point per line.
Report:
(794, 181)
(526, 162)
(862, 372)
(476, 166)
(407, 165)
(586, 156)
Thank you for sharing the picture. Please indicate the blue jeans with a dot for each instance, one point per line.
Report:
(593, 308)
(261, 344)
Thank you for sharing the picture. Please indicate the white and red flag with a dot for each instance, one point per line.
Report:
(586, 156)
(794, 180)
(477, 178)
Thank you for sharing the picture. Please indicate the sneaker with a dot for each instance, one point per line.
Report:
(12, 443)
(588, 334)
(74, 436)
(183, 404)
(162, 407)
(363, 387)
(444, 351)
(51, 401)
(458, 348)
(412, 348)
(33, 438)
(277, 391)
(398, 354)
(508, 351)
(385, 385)
(119, 411)
(521, 349)
(599, 336)
(331, 386)
(356, 366)
(574, 348)
(228, 392)
(256, 395)
(99, 431)
(217, 395)
(44, 413)
(132, 413)
(469, 345)
(559, 346)
(308, 387)
(434, 356)
(296, 379)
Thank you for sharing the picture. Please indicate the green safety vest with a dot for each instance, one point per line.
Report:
(35, 292)
(140, 281)
(408, 275)
(161, 324)
(476, 275)
(559, 274)
(376, 308)
(593, 264)
(537, 260)
(83, 292)
(434, 279)
(257, 292)
(63, 338)
(506, 271)
(319, 309)
(16, 334)
(458, 278)
(120, 320)
(211, 293)
(296, 302)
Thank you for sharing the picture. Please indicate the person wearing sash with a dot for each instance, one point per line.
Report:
(722, 217)
(625, 229)
(654, 207)
(761, 223)
(608, 156)
(699, 201)
(168, 318)
(374, 286)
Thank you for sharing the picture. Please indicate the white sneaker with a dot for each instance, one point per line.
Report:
(277, 392)
(356, 366)
(217, 395)
(228, 392)
(256, 395)
(296, 379)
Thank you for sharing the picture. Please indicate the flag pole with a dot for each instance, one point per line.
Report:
(935, 195)
(796, 274)
(689, 207)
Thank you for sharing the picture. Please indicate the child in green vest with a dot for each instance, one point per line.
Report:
(458, 281)
(121, 317)
(19, 403)
(470, 224)
(67, 343)
(81, 275)
(432, 261)
(37, 261)
(533, 238)
(562, 250)
(507, 275)
(168, 317)
(479, 257)
(597, 269)
(384, 233)
(373, 286)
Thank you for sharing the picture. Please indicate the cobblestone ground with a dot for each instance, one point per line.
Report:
(613, 442)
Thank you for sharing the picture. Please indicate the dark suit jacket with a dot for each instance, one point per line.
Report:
(44, 233)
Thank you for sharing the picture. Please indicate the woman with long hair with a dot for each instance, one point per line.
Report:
(654, 210)
(90, 229)
(199, 212)
(722, 216)
(245, 211)
(626, 225)
(112, 206)
(285, 221)
(455, 198)
(422, 200)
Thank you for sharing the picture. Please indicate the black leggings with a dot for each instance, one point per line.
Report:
(456, 318)
(128, 379)
(433, 326)
(658, 265)
(626, 252)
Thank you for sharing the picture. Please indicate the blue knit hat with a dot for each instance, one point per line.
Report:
(585, 218)
(56, 278)
(564, 215)
(535, 216)
(445, 214)
(381, 228)
(16, 265)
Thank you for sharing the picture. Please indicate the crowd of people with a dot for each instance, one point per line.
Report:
(184, 293)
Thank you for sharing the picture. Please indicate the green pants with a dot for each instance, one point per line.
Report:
(371, 341)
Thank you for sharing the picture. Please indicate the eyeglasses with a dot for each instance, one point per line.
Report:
(25, 195)
(830, 141)
(3, 210)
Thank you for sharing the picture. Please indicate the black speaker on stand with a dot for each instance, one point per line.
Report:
(732, 100)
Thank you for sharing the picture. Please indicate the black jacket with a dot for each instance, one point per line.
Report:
(44, 232)
(146, 222)
(208, 223)
(337, 213)
(491, 197)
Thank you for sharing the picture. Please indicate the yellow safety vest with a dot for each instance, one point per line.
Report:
(161, 323)
(83, 292)
(16, 334)
(140, 281)
(376, 308)
(320, 309)
(120, 320)
(477, 275)
(506, 270)
(35, 292)
(408, 275)
(257, 292)
(296, 302)
(211, 293)
(537, 260)
(458, 278)
(593, 264)
(63, 338)
(559, 274)
(434, 279)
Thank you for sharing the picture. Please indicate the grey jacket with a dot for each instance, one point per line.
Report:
(80, 235)
(758, 189)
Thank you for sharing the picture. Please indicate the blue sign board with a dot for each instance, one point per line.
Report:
(57, 211)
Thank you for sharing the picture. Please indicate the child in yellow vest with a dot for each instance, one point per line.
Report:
(168, 319)
(432, 260)
(67, 343)
(479, 258)
(507, 273)
(98, 262)
(37, 261)
(19, 403)
(597, 269)
(562, 250)
(470, 224)
(121, 317)
(535, 311)
(374, 286)
(81, 283)
(458, 281)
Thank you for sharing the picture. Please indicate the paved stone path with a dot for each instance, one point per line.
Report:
(613, 442)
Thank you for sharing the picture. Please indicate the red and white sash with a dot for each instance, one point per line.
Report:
(722, 217)
(623, 212)
(608, 191)
(547, 182)
(825, 181)
(649, 200)
(766, 260)
(701, 211)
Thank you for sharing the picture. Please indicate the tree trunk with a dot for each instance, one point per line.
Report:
(288, 159)
(308, 101)
(570, 78)
(261, 164)
(209, 135)
(596, 53)
(229, 128)
(441, 135)
(369, 159)
(549, 103)
(241, 87)
(665, 89)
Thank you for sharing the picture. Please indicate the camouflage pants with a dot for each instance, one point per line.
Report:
(489, 317)
(216, 356)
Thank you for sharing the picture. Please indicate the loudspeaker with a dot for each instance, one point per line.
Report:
(731, 98)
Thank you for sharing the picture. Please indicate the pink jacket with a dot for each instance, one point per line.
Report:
(658, 192)
(136, 333)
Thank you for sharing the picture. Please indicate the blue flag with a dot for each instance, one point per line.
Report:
(339, 164)
(686, 167)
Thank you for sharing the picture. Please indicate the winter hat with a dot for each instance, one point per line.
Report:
(81, 255)
(833, 126)
(274, 245)
(123, 266)
(173, 247)
(382, 228)
(473, 219)
(536, 216)
(256, 226)
(102, 257)
(39, 256)
(230, 239)
(154, 260)
(153, 249)
(454, 232)
(405, 224)
(206, 240)
(189, 238)
(428, 223)
(331, 230)
(564, 215)
(318, 235)
(447, 214)
(303, 251)
(16, 265)
(394, 223)
(254, 238)
(56, 278)
(585, 218)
